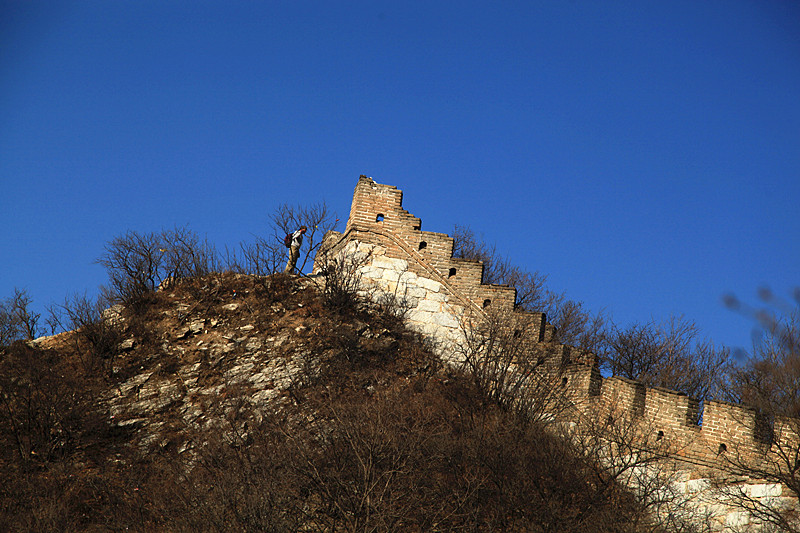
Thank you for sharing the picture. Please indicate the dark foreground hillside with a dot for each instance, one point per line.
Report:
(236, 403)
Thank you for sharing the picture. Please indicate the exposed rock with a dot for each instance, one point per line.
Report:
(127, 344)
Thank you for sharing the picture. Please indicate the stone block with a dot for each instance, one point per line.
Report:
(365, 247)
(391, 275)
(429, 284)
(372, 272)
(409, 302)
(762, 490)
(416, 292)
(398, 265)
(409, 276)
(445, 319)
(737, 519)
(427, 305)
(697, 485)
(435, 296)
(416, 315)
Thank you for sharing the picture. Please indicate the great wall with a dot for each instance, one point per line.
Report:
(442, 293)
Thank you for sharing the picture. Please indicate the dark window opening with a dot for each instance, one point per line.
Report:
(451, 273)
(423, 245)
(722, 449)
(563, 382)
(379, 218)
(660, 435)
(486, 303)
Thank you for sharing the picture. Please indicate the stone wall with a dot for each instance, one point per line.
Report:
(444, 294)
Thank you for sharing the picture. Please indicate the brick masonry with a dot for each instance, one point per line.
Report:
(444, 293)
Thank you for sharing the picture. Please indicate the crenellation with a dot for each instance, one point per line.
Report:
(465, 274)
(550, 333)
(584, 382)
(625, 395)
(496, 297)
(535, 323)
(436, 248)
(729, 425)
(787, 433)
(670, 412)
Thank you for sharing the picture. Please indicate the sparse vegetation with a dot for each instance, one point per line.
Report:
(96, 330)
(670, 355)
(267, 255)
(137, 264)
(17, 320)
(770, 381)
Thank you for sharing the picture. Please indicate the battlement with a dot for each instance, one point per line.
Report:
(442, 291)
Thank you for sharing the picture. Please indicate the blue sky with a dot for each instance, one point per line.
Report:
(644, 155)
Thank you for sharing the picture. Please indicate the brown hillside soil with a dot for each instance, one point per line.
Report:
(236, 403)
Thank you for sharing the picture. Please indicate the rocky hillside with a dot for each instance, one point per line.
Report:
(241, 403)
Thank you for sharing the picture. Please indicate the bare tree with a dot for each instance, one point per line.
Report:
(137, 263)
(670, 355)
(770, 381)
(317, 218)
(17, 320)
(532, 292)
(97, 333)
(624, 447)
(502, 355)
(267, 255)
(618, 445)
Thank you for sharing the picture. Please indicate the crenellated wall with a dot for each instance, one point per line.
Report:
(443, 292)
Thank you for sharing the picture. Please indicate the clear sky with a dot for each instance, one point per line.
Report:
(645, 155)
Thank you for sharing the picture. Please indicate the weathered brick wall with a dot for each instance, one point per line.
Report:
(443, 293)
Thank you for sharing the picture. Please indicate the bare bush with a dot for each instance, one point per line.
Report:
(137, 264)
(502, 355)
(342, 285)
(422, 458)
(54, 436)
(624, 448)
(17, 320)
(97, 332)
(268, 254)
(670, 354)
(770, 381)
